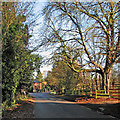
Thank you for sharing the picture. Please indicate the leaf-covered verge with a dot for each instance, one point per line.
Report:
(23, 109)
(108, 106)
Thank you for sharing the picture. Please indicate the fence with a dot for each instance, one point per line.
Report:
(102, 94)
(80, 92)
(113, 93)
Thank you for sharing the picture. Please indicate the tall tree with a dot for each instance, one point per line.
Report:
(17, 62)
(62, 76)
(90, 28)
(38, 62)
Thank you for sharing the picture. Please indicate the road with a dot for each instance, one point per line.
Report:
(47, 106)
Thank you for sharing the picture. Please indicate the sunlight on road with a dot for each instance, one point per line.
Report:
(40, 99)
(53, 101)
(48, 106)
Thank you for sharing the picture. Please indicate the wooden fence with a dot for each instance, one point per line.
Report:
(80, 92)
(102, 94)
(113, 93)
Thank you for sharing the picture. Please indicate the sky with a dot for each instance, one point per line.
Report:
(35, 40)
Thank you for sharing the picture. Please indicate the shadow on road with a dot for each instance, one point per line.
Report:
(47, 106)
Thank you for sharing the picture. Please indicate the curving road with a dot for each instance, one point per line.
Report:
(47, 106)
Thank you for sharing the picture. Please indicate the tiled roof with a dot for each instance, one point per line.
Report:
(36, 81)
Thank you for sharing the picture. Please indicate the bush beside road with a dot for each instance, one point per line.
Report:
(23, 109)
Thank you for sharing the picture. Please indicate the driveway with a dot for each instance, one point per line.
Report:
(47, 106)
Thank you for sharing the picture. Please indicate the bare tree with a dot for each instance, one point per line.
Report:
(86, 35)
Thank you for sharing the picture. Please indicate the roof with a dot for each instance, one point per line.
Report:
(36, 81)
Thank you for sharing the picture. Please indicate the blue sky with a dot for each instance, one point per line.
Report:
(35, 40)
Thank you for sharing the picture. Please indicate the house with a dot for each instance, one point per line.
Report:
(37, 85)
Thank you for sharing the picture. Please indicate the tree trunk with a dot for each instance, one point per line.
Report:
(103, 82)
(106, 81)
(14, 96)
(108, 75)
(99, 85)
(96, 81)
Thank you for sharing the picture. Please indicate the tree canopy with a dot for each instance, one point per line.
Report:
(62, 77)
(86, 35)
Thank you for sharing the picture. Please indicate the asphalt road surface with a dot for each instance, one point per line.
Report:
(47, 106)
